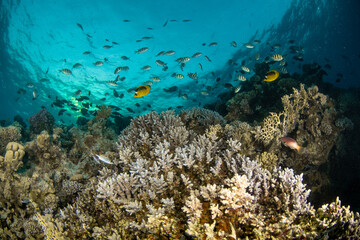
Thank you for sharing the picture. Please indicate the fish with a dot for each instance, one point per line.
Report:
(66, 71)
(146, 38)
(107, 47)
(183, 60)
(275, 46)
(47, 70)
(245, 69)
(228, 85)
(257, 56)
(61, 112)
(277, 57)
(241, 78)
(193, 76)
(207, 58)
(160, 53)
(112, 83)
(137, 104)
(86, 105)
(115, 43)
(155, 79)
(115, 93)
(148, 83)
(248, 45)
(121, 95)
(237, 89)
(177, 75)
(125, 68)
(290, 142)
(86, 53)
(35, 94)
(30, 85)
(213, 44)
(130, 110)
(171, 89)
(98, 63)
(186, 20)
(142, 50)
(146, 68)
(77, 65)
(142, 91)
(77, 93)
(200, 66)
(282, 63)
(204, 93)
(169, 53)
(166, 22)
(182, 65)
(233, 44)
(125, 58)
(80, 26)
(283, 70)
(160, 63)
(271, 76)
(101, 158)
(197, 54)
(257, 41)
(21, 91)
(165, 68)
(117, 70)
(184, 96)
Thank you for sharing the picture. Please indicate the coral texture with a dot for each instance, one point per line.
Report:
(171, 182)
(41, 121)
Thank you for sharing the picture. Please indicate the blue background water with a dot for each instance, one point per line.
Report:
(39, 35)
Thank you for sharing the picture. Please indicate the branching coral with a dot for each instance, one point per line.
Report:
(176, 183)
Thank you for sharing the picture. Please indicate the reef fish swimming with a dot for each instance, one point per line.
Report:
(141, 91)
(271, 76)
(290, 142)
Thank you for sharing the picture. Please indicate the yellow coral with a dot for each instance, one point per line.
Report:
(13, 156)
(267, 160)
(50, 229)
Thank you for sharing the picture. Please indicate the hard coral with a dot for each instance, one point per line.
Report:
(172, 183)
(8, 134)
(41, 121)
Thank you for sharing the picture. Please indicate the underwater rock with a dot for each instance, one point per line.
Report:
(41, 121)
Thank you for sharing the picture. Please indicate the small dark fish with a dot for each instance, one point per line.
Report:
(61, 112)
(186, 20)
(125, 58)
(44, 80)
(207, 58)
(218, 79)
(77, 93)
(47, 70)
(213, 44)
(81, 27)
(166, 22)
(171, 89)
(121, 95)
(86, 53)
(21, 91)
(116, 94)
(228, 85)
(86, 105)
(88, 35)
(160, 53)
(102, 99)
(126, 20)
(130, 110)
(148, 105)
(139, 40)
(200, 66)
(142, 50)
(137, 104)
(74, 108)
(165, 68)
(291, 41)
(150, 28)
(89, 93)
(107, 47)
(338, 80)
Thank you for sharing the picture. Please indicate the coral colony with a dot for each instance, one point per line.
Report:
(190, 175)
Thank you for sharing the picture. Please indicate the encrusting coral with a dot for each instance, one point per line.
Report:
(172, 183)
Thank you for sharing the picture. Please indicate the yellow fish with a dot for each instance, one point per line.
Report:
(271, 76)
(141, 91)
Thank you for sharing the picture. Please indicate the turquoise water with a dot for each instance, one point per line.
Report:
(41, 38)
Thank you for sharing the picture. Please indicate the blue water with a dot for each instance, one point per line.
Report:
(40, 37)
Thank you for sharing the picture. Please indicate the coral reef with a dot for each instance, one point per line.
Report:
(172, 182)
(8, 134)
(41, 121)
